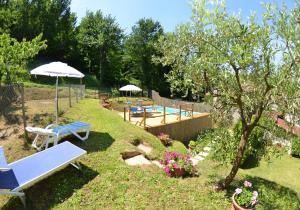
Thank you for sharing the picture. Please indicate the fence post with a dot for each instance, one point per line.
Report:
(145, 116)
(192, 114)
(76, 95)
(70, 103)
(124, 113)
(23, 112)
(129, 113)
(179, 117)
(81, 92)
(164, 119)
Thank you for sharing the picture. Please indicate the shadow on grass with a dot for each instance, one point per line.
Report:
(53, 190)
(271, 194)
(96, 142)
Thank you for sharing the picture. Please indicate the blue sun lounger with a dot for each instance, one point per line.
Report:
(19, 175)
(53, 133)
(136, 110)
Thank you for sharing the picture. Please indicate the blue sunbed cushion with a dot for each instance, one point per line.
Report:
(75, 126)
(136, 110)
(39, 165)
(3, 163)
(8, 180)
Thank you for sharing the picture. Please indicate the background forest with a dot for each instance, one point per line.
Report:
(97, 45)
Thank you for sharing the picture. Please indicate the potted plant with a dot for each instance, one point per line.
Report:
(244, 198)
(165, 139)
(177, 165)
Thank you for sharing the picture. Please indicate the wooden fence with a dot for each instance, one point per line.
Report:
(12, 98)
(197, 107)
(183, 130)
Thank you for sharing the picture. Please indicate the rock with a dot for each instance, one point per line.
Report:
(204, 154)
(137, 160)
(194, 161)
(198, 157)
(144, 148)
(129, 154)
(157, 163)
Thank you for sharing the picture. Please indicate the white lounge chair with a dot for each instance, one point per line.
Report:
(19, 175)
(53, 133)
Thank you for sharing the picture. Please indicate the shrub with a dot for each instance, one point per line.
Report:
(203, 139)
(115, 92)
(295, 150)
(176, 165)
(165, 139)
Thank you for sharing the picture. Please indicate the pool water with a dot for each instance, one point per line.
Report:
(169, 110)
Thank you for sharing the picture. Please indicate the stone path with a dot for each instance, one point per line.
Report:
(137, 161)
(140, 159)
(201, 156)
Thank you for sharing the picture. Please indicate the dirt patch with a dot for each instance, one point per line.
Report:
(129, 154)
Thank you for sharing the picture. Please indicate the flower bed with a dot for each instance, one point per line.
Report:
(177, 165)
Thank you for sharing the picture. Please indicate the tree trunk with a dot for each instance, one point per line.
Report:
(238, 158)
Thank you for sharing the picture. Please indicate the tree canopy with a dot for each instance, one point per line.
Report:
(244, 66)
(99, 39)
(97, 45)
(14, 56)
(140, 48)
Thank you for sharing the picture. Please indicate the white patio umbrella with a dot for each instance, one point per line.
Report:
(130, 88)
(57, 69)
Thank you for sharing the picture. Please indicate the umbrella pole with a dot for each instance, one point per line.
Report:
(56, 101)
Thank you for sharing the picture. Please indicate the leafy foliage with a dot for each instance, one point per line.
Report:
(235, 62)
(139, 50)
(99, 39)
(53, 19)
(14, 55)
(295, 150)
(204, 139)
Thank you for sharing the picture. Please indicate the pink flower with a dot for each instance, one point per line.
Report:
(247, 184)
(255, 194)
(238, 190)
(253, 202)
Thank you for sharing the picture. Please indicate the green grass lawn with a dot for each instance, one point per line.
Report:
(106, 182)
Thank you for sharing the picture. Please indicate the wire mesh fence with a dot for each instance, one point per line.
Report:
(35, 106)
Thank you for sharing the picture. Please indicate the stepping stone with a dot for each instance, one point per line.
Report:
(207, 149)
(204, 154)
(145, 148)
(137, 161)
(157, 163)
(198, 157)
(194, 161)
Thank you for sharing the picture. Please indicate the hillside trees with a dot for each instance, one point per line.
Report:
(140, 48)
(97, 45)
(99, 39)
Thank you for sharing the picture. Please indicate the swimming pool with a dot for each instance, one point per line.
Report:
(169, 110)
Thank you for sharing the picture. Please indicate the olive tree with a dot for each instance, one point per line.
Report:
(246, 66)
